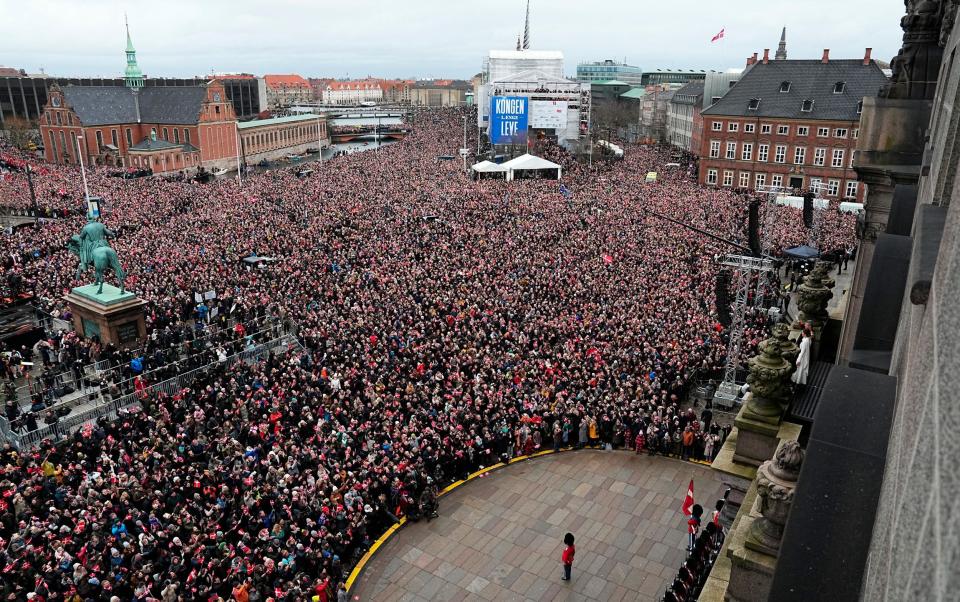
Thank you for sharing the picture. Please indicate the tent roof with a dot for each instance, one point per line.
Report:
(488, 167)
(802, 252)
(529, 161)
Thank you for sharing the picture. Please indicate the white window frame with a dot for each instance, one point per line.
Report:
(819, 156)
(848, 193)
(746, 151)
(855, 133)
(714, 149)
(731, 151)
(783, 130)
(803, 130)
(840, 133)
(749, 128)
(823, 132)
(711, 177)
(836, 160)
(799, 155)
(744, 179)
(728, 178)
(776, 180)
(833, 187)
(780, 154)
(759, 179)
(717, 126)
(816, 184)
(733, 126)
(763, 152)
(765, 128)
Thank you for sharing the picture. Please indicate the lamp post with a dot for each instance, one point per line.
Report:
(83, 172)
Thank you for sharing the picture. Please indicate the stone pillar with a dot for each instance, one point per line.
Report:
(756, 543)
(758, 421)
(788, 349)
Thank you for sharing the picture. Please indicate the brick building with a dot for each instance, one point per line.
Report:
(791, 124)
(287, 90)
(166, 129)
(273, 138)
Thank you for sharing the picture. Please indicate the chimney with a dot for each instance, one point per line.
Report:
(826, 56)
(754, 59)
(766, 56)
(866, 56)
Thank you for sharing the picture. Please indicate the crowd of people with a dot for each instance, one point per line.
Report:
(445, 324)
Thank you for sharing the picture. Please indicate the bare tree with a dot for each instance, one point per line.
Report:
(20, 133)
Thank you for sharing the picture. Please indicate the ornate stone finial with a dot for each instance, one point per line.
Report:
(767, 380)
(776, 483)
(916, 67)
(823, 268)
(788, 349)
(813, 296)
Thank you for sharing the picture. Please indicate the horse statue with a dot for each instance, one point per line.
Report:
(100, 255)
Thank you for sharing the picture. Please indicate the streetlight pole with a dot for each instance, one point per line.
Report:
(236, 129)
(33, 194)
(83, 172)
(463, 151)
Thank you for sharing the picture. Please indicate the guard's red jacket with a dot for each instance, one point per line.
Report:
(568, 553)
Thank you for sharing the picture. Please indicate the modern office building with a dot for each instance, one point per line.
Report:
(607, 70)
(672, 76)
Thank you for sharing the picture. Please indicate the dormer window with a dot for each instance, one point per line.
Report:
(754, 104)
(806, 106)
(784, 86)
(839, 87)
(859, 107)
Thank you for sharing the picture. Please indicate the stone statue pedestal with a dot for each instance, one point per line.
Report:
(114, 317)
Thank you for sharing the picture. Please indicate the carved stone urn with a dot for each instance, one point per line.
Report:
(776, 483)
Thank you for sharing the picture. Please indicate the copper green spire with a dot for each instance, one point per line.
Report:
(133, 75)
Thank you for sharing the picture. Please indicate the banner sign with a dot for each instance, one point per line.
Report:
(508, 120)
(548, 114)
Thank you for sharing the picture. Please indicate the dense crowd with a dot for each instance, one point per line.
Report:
(445, 324)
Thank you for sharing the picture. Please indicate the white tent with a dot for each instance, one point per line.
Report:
(489, 169)
(529, 162)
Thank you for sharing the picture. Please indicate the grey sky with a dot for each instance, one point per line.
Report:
(425, 38)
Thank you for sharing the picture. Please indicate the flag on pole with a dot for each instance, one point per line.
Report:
(687, 507)
(719, 36)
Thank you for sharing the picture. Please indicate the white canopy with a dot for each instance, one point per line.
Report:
(529, 162)
(488, 167)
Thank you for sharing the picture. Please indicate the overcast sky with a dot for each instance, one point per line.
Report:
(426, 38)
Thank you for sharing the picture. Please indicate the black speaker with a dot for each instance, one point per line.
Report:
(808, 210)
(722, 301)
(753, 228)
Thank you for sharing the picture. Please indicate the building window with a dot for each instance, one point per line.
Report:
(833, 187)
(799, 155)
(113, 138)
(851, 191)
(819, 156)
(853, 155)
(59, 118)
(216, 109)
(839, 87)
(762, 152)
(47, 118)
(99, 141)
(731, 150)
(53, 148)
(859, 107)
(714, 149)
(784, 86)
(746, 153)
(776, 180)
(761, 180)
(765, 128)
(803, 130)
(129, 138)
(176, 136)
(749, 128)
(815, 184)
(186, 135)
(733, 126)
(837, 160)
(165, 135)
(823, 132)
(754, 104)
(840, 133)
(783, 130)
(744, 179)
(727, 177)
(712, 176)
(855, 133)
(781, 154)
(806, 106)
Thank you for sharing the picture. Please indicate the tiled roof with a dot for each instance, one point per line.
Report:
(634, 93)
(102, 105)
(153, 145)
(286, 81)
(808, 80)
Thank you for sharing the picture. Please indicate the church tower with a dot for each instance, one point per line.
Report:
(133, 75)
(781, 54)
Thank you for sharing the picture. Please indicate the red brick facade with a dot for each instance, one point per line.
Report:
(213, 134)
(817, 160)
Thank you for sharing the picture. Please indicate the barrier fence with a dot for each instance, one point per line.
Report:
(66, 426)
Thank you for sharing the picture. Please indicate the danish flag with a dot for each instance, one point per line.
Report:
(719, 36)
(687, 507)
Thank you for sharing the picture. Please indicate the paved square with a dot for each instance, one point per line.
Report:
(500, 537)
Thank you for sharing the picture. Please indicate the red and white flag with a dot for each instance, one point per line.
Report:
(719, 36)
(687, 507)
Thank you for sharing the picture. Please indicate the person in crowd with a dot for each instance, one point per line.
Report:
(569, 551)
